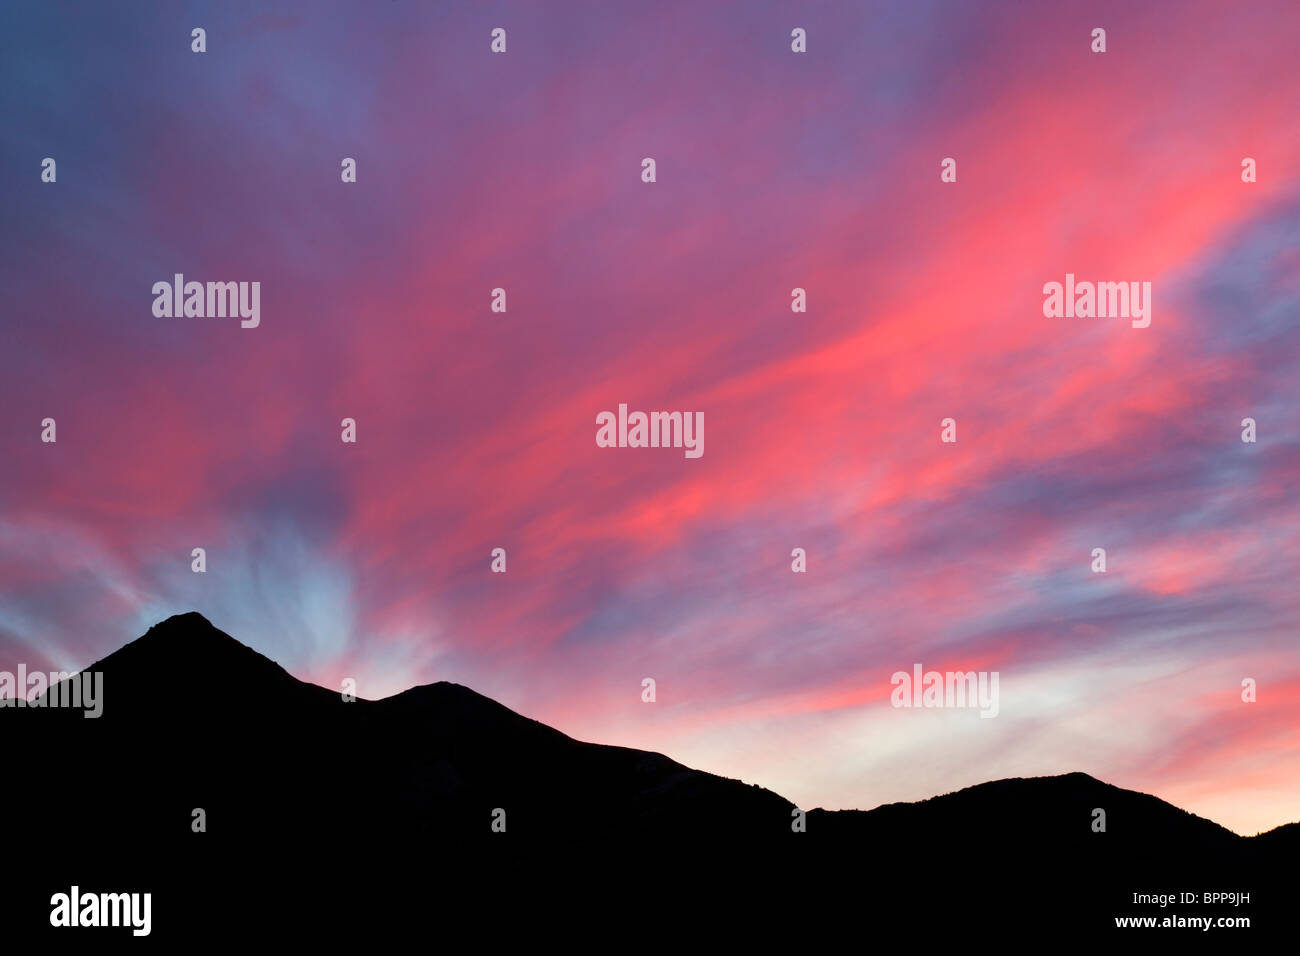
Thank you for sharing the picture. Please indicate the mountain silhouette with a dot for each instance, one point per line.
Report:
(310, 797)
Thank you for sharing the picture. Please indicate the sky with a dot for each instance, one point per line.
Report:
(475, 429)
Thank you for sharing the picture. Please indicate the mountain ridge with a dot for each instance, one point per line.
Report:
(145, 658)
(310, 804)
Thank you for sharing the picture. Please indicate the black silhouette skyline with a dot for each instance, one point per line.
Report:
(194, 719)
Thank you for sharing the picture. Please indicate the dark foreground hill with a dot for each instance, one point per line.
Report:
(321, 812)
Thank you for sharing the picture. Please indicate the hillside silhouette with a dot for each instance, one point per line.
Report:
(308, 797)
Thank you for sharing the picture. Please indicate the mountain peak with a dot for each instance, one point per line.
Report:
(186, 617)
(189, 635)
(187, 654)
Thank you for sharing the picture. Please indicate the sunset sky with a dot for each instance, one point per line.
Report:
(476, 429)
